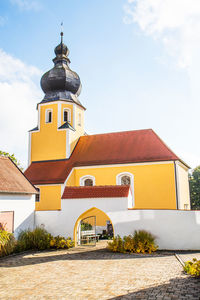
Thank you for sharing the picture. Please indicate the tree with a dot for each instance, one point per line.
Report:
(13, 158)
(194, 181)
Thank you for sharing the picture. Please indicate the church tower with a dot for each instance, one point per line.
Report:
(60, 113)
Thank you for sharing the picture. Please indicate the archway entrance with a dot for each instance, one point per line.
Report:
(93, 225)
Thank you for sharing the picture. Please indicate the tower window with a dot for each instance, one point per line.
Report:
(79, 119)
(48, 116)
(66, 115)
(37, 196)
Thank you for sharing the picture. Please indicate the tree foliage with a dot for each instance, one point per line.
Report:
(194, 180)
(13, 158)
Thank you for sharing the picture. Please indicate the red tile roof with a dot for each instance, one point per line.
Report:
(103, 149)
(12, 180)
(109, 191)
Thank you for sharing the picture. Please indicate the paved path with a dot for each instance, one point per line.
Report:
(89, 273)
(186, 256)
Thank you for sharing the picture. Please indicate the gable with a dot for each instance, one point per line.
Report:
(12, 180)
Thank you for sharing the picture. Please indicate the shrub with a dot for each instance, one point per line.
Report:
(117, 245)
(38, 239)
(144, 242)
(193, 267)
(7, 243)
(60, 242)
(140, 242)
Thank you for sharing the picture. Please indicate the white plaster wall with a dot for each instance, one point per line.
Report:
(23, 207)
(183, 186)
(62, 222)
(174, 229)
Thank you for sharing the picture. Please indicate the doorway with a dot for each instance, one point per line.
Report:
(91, 226)
(87, 231)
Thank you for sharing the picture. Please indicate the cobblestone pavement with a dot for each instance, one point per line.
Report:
(95, 273)
(186, 256)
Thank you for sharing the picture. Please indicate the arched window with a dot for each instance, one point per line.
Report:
(48, 115)
(87, 180)
(66, 115)
(125, 180)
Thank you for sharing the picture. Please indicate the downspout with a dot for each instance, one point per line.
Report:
(176, 185)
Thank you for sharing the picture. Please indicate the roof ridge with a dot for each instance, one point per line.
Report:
(178, 158)
(117, 132)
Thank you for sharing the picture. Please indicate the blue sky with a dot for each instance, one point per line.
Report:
(138, 61)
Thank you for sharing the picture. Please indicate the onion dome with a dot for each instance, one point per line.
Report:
(61, 83)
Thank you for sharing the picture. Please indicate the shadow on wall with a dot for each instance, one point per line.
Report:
(173, 229)
(177, 288)
(34, 257)
(28, 223)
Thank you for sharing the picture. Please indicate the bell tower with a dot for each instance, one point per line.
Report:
(60, 113)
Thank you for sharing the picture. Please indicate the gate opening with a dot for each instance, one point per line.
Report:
(92, 226)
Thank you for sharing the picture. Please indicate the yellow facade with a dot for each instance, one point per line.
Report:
(50, 197)
(101, 217)
(49, 142)
(154, 184)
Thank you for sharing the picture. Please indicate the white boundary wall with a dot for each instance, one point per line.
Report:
(23, 207)
(174, 229)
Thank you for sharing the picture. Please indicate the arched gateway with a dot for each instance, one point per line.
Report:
(91, 226)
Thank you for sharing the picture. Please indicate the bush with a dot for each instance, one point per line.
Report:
(144, 242)
(117, 245)
(60, 242)
(7, 243)
(140, 242)
(193, 267)
(38, 239)
(86, 226)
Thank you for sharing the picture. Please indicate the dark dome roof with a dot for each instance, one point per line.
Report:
(60, 82)
(61, 49)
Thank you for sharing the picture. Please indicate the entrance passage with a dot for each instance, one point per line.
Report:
(88, 231)
(92, 226)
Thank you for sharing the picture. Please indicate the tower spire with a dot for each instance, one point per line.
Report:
(61, 33)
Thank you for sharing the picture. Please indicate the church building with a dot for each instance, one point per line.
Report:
(103, 178)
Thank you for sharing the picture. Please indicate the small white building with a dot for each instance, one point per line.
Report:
(17, 198)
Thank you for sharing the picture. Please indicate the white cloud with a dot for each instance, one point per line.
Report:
(19, 95)
(175, 22)
(27, 4)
